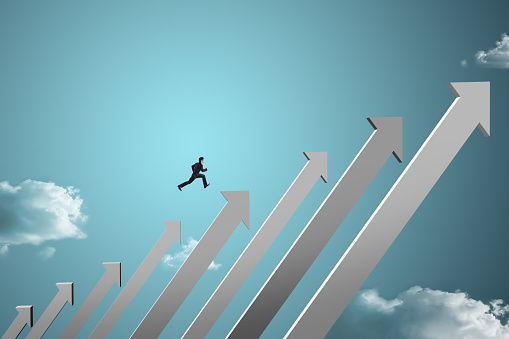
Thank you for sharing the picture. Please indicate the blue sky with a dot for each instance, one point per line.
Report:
(104, 107)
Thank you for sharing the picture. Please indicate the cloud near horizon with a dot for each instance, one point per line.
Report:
(178, 259)
(497, 57)
(34, 212)
(424, 313)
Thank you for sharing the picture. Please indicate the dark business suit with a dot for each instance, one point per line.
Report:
(197, 168)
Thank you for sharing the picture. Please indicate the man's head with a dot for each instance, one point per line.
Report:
(201, 160)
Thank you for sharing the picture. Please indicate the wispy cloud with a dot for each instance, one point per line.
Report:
(34, 212)
(464, 63)
(497, 57)
(424, 313)
(47, 253)
(176, 260)
(4, 249)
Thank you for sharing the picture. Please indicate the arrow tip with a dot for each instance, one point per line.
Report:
(477, 95)
(27, 314)
(393, 128)
(114, 269)
(320, 160)
(241, 200)
(174, 226)
(68, 290)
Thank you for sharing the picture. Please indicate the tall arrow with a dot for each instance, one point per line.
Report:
(25, 316)
(470, 109)
(386, 139)
(235, 211)
(110, 277)
(171, 234)
(314, 168)
(65, 294)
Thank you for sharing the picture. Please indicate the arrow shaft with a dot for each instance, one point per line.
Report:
(258, 246)
(134, 285)
(48, 317)
(87, 308)
(313, 238)
(188, 275)
(23, 318)
(383, 227)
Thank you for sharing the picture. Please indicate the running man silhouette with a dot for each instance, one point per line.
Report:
(197, 168)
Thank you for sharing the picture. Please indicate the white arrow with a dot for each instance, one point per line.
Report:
(110, 277)
(25, 317)
(291, 200)
(235, 211)
(171, 234)
(471, 109)
(65, 295)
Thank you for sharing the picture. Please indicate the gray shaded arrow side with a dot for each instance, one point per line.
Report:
(470, 109)
(171, 234)
(110, 277)
(291, 200)
(65, 294)
(235, 211)
(386, 139)
(25, 317)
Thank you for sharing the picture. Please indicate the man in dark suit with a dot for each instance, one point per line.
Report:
(197, 168)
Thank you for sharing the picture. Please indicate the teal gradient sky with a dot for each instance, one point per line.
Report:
(119, 98)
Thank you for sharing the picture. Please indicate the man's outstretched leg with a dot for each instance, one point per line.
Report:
(204, 180)
(185, 183)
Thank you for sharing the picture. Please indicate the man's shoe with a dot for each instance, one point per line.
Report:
(180, 188)
(207, 186)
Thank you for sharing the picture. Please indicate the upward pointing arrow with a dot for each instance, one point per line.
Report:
(65, 294)
(25, 316)
(470, 109)
(110, 277)
(235, 211)
(171, 234)
(291, 200)
(386, 139)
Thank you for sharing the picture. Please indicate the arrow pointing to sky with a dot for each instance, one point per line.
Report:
(110, 277)
(64, 295)
(314, 168)
(171, 234)
(235, 211)
(386, 139)
(471, 109)
(25, 316)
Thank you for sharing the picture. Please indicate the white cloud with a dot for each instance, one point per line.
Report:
(178, 259)
(4, 249)
(47, 253)
(423, 313)
(497, 57)
(34, 212)
(464, 63)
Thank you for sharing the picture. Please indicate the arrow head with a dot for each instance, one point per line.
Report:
(240, 200)
(392, 129)
(27, 314)
(174, 227)
(319, 161)
(476, 98)
(67, 290)
(113, 271)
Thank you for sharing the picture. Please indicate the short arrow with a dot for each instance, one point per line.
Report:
(25, 317)
(171, 234)
(64, 295)
(291, 200)
(235, 211)
(110, 277)
(386, 139)
(470, 109)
